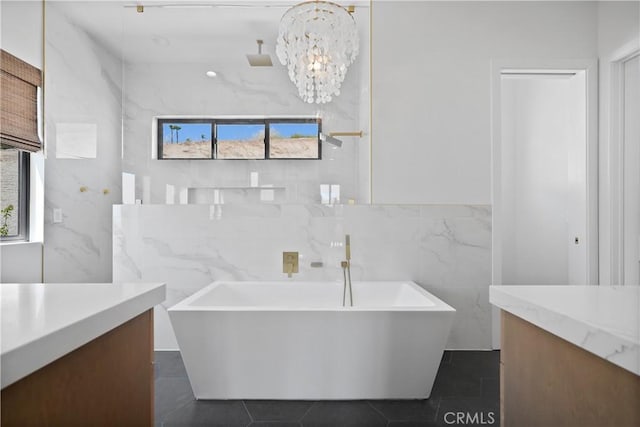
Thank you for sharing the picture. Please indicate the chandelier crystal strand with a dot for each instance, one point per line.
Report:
(317, 41)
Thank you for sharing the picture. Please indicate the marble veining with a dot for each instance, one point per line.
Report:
(445, 249)
(88, 84)
(167, 89)
(83, 86)
(604, 320)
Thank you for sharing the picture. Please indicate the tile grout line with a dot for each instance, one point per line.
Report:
(378, 411)
(437, 411)
(313, 403)
(483, 380)
(244, 405)
(175, 409)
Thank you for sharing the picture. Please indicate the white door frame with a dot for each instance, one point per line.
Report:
(590, 68)
(616, 160)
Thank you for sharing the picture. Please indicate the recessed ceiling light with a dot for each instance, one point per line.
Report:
(211, 73)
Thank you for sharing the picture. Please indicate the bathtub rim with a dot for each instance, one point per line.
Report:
(185, 304)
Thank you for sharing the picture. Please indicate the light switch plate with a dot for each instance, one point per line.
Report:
(57, 215)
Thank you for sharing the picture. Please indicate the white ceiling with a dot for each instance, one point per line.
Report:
(182, 31)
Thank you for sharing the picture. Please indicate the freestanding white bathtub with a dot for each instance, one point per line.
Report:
(294, 340)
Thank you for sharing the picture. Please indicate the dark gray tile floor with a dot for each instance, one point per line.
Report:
(467, 386)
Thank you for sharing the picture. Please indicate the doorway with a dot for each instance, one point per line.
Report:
(544, 176)
(543, 183)
(630, 142)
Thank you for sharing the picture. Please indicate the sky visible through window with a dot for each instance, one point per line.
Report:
(195, 132)
(287, 130)
(240, 132)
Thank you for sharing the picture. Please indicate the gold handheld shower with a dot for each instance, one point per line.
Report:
(346, 271)
(348, 247)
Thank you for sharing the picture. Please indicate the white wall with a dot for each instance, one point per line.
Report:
(542, 147)
(83, 86)
(21, 35)
(431, 87)
(618, 35)
(631, 168)
(21, 262)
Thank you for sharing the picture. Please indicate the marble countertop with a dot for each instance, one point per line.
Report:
(604, 320)
(42, 322)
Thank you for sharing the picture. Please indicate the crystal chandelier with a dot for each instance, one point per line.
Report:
(317, 41)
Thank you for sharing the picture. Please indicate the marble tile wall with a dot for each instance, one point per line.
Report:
(83, 91)
(446, 249)
(166, 89)
(89, 87)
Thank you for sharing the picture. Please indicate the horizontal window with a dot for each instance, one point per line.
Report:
(235, 139)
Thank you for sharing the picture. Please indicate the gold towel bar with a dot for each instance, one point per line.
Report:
(358, 134)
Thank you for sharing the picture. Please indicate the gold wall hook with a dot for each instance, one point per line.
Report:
(140, 8)
(105, 191)
(84, 189)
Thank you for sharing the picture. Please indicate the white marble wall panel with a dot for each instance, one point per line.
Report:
(446, 249)
(83, 88)
(166, 89)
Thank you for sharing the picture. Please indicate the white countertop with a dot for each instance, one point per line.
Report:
(604, 320)
(42, 322)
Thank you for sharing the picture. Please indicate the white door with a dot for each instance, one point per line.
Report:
(543, 180)
(631, 172)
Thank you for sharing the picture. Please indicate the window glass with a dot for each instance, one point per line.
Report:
(13, 193)
(238, 138)
(240, 141)
(185, 140)
(294, 140)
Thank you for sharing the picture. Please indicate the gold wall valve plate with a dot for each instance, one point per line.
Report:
(289, 262)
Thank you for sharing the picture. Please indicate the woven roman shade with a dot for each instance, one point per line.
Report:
(19, 84)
